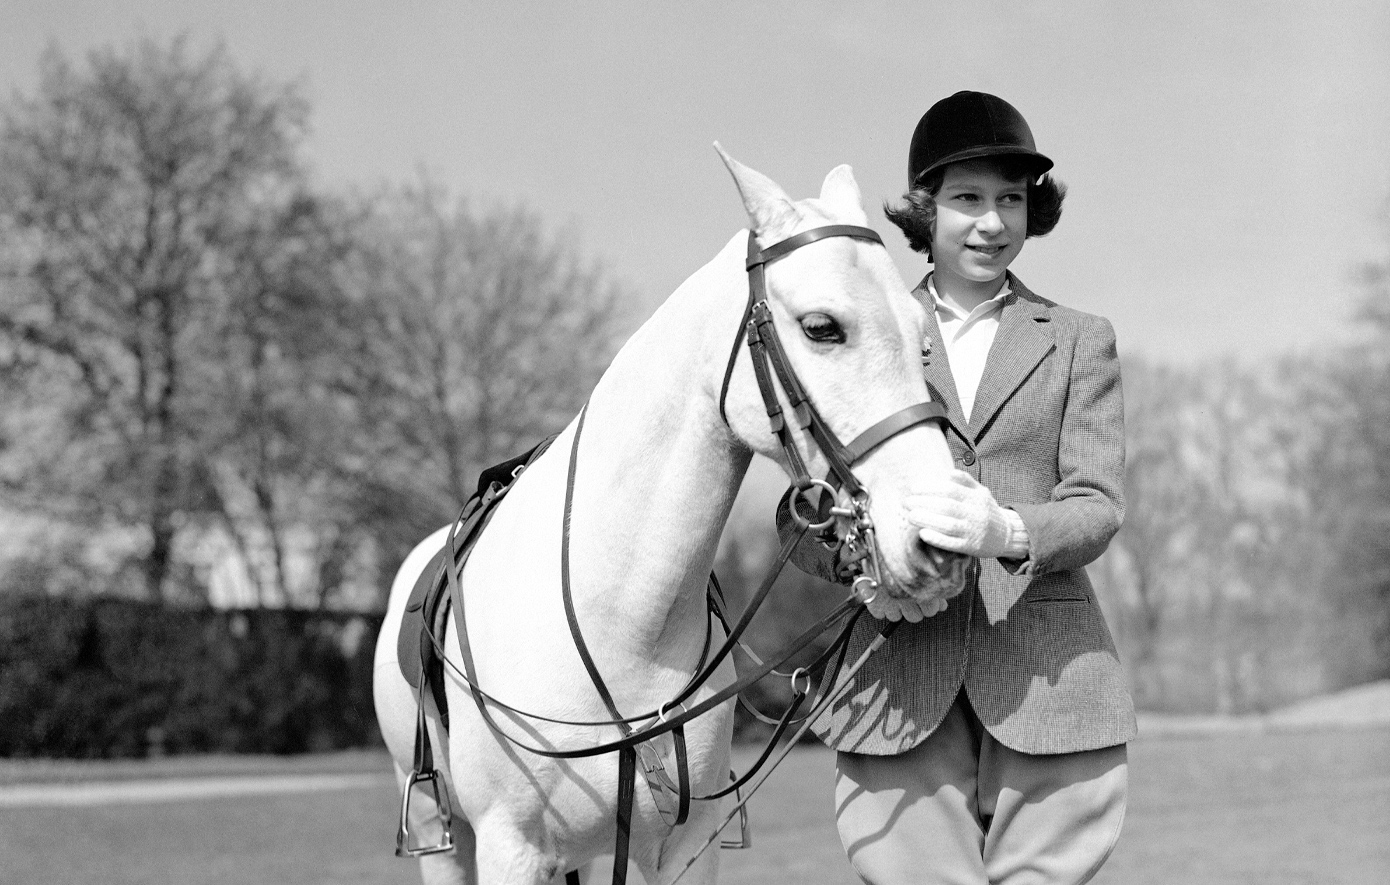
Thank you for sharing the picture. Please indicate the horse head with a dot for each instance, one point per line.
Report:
(852, 334)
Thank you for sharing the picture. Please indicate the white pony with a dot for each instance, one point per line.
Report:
(656, 473)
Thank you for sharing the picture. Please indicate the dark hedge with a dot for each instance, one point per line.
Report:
(108, 678)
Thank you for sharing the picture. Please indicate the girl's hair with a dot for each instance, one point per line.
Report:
(916, 217)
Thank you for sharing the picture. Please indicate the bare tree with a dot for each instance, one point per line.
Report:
(1358, 458)
(1141, 567)
(126, 189)
(271, 431)
(468, 337)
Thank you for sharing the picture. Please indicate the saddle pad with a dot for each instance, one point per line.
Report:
(428, 604)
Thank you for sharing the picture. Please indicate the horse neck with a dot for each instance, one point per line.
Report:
(658, 471)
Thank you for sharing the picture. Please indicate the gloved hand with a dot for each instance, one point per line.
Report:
(895, 609)
(960, 515)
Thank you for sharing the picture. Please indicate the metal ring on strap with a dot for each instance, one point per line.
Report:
(661, 711)
(865, 589)
(802, 522)
(802, 673)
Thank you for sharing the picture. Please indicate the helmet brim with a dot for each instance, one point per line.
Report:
(1040, 164)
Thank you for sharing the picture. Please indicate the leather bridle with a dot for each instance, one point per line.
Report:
(853, 531)
(853, 527)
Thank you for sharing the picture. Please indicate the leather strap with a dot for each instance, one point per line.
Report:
(826, 699)
(796, 241)
(891, 426)
(627, 779)
(568, 597)
(682, 775)
(766, 351)
(757, 258)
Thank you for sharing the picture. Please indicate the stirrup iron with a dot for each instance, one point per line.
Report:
(404, 848)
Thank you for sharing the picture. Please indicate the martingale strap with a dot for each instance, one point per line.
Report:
(634, 747)
(627, 756)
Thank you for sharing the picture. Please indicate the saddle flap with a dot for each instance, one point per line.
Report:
(411, 645)
(427, 605)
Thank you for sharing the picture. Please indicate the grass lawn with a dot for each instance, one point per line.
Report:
(1274, 809)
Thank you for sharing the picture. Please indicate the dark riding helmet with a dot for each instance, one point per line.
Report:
(967, 126)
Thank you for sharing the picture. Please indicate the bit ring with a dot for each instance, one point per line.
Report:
(802, 522)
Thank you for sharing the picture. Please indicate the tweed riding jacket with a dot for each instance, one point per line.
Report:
(1026, 639)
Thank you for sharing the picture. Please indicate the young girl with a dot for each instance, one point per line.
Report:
(985, 743)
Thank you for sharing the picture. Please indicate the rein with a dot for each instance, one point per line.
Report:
(853, 532)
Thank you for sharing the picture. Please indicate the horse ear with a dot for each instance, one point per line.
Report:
(841, 192)
(769, 208)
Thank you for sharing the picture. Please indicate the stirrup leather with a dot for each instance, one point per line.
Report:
(423, 771)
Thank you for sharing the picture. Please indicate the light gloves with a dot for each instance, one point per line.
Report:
(891, 608)
(960, 515)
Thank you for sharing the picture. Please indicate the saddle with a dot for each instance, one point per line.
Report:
(427, 609)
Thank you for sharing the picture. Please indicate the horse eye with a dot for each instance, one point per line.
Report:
(819, 327)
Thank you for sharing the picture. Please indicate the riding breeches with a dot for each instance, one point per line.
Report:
(963, 809)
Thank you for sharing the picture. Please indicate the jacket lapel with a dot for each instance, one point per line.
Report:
(935, 366)
(1023, 339)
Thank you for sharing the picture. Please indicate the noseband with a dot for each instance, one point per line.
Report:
(853, 528)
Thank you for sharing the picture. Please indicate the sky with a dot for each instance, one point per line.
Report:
(1228, 163)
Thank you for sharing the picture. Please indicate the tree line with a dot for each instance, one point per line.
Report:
(208, 358)
(1253, 567)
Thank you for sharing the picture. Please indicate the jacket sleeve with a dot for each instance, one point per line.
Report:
(1087, 505)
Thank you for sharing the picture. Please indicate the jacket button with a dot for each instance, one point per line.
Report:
(968, 458)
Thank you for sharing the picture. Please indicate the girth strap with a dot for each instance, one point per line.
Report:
(627, 777)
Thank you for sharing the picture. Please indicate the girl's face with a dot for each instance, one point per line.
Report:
(981, 223)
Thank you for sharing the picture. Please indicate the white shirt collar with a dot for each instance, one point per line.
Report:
(985, 307)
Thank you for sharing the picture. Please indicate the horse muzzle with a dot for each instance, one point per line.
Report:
(924, 572)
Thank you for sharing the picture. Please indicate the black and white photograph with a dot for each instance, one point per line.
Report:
(473, 443)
